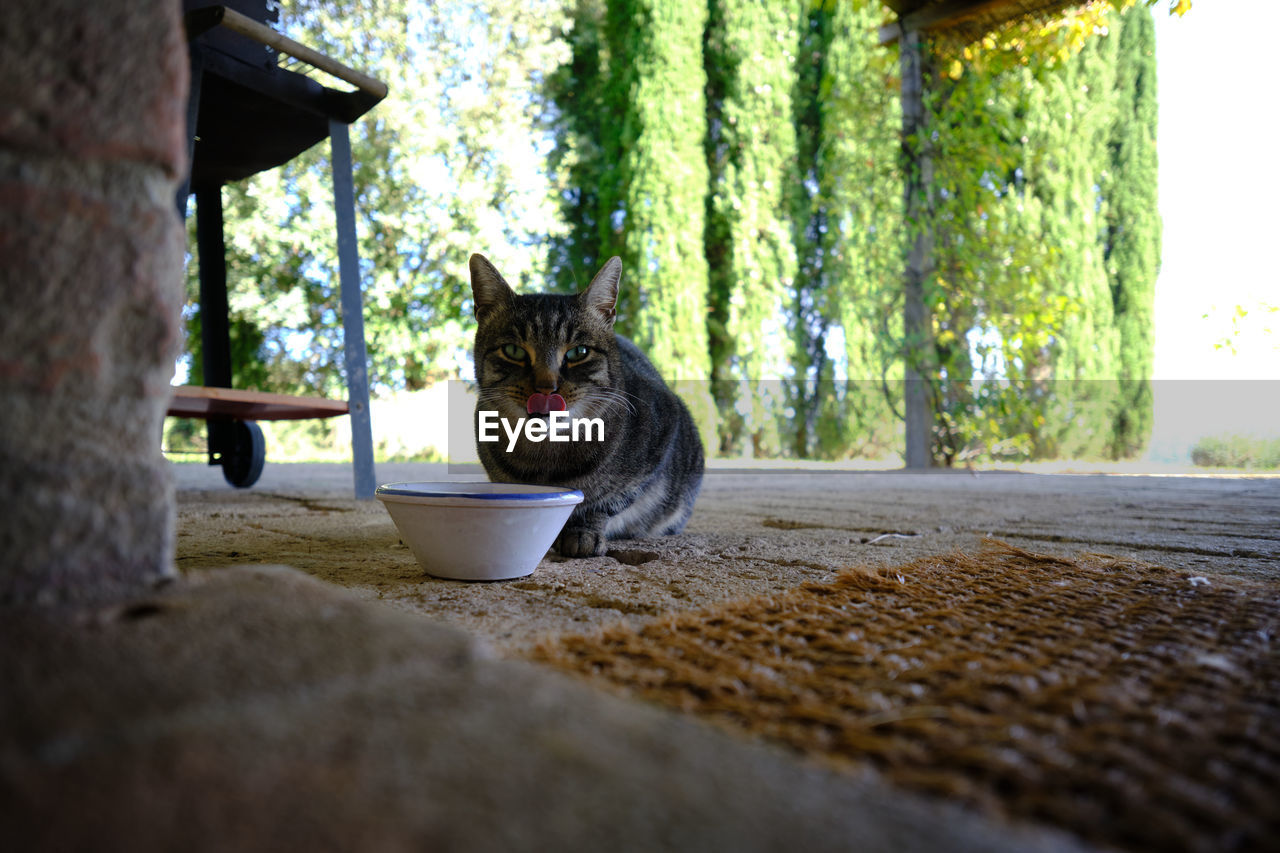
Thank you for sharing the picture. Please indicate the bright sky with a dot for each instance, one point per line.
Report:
(1219, 186)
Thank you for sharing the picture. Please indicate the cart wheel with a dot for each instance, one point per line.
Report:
(242, 464)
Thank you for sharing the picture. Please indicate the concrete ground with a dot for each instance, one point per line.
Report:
(753, 531)
(370, 707)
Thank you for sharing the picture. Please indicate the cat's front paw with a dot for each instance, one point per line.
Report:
(580, 542)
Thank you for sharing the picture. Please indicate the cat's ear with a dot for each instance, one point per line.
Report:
(489, 290)
(601, 296)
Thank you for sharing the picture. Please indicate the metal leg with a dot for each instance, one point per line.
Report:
(352, 312)
(193, 121)
(215, 331)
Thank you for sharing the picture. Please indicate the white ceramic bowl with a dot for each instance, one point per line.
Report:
(478, 531)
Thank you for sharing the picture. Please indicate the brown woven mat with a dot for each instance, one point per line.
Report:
(1129, 704)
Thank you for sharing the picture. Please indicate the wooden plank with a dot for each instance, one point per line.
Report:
(233, 20)
(195, 401)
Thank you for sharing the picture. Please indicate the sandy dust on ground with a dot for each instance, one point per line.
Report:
(752, 532)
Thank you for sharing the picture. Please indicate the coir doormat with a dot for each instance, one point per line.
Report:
(1129, 704)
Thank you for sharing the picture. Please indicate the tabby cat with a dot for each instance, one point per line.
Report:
(540, 352)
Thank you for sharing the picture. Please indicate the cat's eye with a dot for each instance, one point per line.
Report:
(577, 354)
(515, 353)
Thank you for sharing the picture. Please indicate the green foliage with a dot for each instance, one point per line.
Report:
(450, 163)
(743, 160)
(1071, 138)
(1133, 228)
(751, 159)
(1028, 332)
(846, 213)
(995, 299)
(653, 188)
(576, 91)
(250, 355)
(1237, 451)
(629, 122)
(799, 204)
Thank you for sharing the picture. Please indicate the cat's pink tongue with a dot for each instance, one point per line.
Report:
(541, 404)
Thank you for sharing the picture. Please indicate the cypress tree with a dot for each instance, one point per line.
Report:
(652, 194)
(577, 160)
(1132, 230)
(1070, 126)
(717, 240)
(811, 302)
(629, 125)
(845, 209)
(751, 157)
(865, 245)
(742, 185)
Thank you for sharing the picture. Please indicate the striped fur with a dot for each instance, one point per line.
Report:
(643, 478)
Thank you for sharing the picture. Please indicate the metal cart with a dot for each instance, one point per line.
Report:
(247, 114)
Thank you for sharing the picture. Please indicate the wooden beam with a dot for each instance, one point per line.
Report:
(950, 13)
(261, 33)
(938, 16)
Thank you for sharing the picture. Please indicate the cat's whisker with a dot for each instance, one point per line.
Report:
(608, 397)
(508, 402)
(625, 393)
(497, 395)
(618, 392)
(621, 398)
(591, 408)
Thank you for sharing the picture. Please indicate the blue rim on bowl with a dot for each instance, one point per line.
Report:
(479, 494)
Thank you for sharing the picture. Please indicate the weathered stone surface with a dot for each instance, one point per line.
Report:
(752, 533)
(102, 81)
(258, 709)
(92, 121)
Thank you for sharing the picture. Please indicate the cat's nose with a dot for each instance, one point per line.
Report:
(545, 383)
